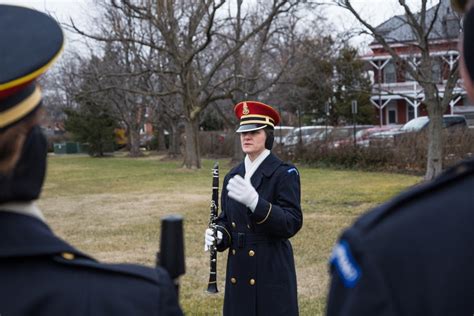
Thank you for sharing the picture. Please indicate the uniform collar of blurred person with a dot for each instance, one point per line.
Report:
(27, 51)
(25, 208)
(257, 121)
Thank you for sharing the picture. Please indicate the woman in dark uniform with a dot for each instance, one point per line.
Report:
(40, 273)
(260, 212)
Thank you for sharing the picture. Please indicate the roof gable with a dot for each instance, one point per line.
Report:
(446, 26)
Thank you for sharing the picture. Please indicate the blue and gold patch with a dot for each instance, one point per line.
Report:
(293, 170)
(345, 264)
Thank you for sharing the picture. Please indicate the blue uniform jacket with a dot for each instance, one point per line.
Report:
(261, 277)
(411, 256)
(42, 275)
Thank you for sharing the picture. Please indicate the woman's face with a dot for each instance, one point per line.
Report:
(253, 143)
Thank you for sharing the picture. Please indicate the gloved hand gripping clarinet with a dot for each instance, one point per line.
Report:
(209, 239)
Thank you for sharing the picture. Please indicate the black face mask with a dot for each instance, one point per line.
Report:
(468, 42)
(26, 180)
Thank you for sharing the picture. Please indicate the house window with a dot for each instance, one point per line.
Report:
(467, 101)
(392, 116)
(436, 69)
(408, 76)
(410, 112)
(389, 74)
(392, 113)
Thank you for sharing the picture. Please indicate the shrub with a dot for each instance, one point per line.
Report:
(408, 153)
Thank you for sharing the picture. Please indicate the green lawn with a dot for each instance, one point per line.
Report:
(111, 208)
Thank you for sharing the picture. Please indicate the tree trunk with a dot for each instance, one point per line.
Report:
(160, 134)
(434, 165)
(238, 155)
(134, 137)
(192, 158)
(174, 150)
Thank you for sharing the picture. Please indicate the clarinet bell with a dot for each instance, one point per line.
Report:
(212, 288)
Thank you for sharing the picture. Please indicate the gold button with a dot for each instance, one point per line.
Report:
(251, 253)
(233, 280)
(233, 251)
(68, 256)
(233, 225)
(252, 282)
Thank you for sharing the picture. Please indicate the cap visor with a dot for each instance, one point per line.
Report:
(250, 127)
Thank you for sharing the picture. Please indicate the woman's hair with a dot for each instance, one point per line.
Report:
(12, 141)
(269, 132)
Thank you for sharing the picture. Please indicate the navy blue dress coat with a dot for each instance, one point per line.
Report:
(261, 277)
(42, 275)
(412, 256)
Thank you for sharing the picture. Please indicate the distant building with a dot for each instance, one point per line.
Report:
(396, 97)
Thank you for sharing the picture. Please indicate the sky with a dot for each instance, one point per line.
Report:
(375, 11)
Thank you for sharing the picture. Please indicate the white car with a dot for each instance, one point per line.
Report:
(281, 132)
(307, 134)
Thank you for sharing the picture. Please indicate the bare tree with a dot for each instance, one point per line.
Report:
(194, 37)
(424, 28)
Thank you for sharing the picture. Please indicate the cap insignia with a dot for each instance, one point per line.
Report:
(245, 109)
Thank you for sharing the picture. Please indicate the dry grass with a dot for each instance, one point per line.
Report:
(111, 209)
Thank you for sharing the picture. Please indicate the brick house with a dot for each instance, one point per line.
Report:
(397, 98)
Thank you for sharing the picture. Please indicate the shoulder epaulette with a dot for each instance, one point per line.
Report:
(136, 271)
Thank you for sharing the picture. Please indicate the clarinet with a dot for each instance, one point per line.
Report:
(212, 285)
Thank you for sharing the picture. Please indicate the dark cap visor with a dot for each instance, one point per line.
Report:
(250, 127)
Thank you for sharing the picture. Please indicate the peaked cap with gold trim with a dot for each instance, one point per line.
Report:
(29, 42)
(255, 115)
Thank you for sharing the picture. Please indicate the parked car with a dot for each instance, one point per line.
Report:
(416, 125)
(344, 135)
(363, 136)
(281, 132)
(307, 133)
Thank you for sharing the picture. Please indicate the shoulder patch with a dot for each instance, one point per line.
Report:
(293, 170)
(344, 262)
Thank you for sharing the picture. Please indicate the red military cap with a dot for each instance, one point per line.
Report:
(255, 115)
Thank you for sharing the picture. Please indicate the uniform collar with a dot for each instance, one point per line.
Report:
(252, 166)
(24, 236)
(266, 168)
(26, 208)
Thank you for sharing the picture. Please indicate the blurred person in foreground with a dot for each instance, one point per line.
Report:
(40, 273)
(260, 212)
(414, 255)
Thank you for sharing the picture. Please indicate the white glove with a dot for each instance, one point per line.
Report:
(243, 192)
(209, 238)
